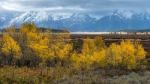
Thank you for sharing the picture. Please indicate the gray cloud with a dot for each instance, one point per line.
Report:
(85, 6)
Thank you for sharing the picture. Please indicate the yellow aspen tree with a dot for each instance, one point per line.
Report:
(139, 52)
(99, 58)
(34, 43)
(93, 53)
(10, 48)
(39, 45)
(88, 47)
(28, 27)
(114, 57)
(99, 43)
(81, 62)
(61, 48)
(128, 54)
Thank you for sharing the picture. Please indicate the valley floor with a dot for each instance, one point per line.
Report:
(62, 75)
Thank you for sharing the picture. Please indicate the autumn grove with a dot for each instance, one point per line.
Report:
(32, 51)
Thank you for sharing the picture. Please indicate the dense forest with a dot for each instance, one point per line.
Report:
(32, 56)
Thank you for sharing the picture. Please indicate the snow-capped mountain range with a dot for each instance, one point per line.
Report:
(113, 21)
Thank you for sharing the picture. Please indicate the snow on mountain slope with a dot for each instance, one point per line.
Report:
(31, 16)
(60, 16)
(39, 16)
(45, 19)
(126, 14)
(114, 21)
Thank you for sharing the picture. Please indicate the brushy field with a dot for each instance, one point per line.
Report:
(61, 75)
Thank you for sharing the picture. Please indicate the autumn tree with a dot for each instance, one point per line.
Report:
(93, 54)
(99, 43)
(92, 45)
(61, 48)
(139, 52)
(81, 62)
(34, 43)
(10, 49)
(43, 45)
(113, 55)
(99, 58)
(88, 47)
(127, 54)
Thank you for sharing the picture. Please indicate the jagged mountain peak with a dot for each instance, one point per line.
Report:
(125, 14)
(80, 15)
(31, 16)
(116, 20)
(45, 15)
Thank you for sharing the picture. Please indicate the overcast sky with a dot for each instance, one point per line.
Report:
(71, 6)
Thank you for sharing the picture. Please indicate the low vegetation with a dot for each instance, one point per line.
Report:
(33, 56)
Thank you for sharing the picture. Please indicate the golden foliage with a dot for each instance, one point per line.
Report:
(93, 53)
(114, 55)
(44, 44)
(126, 54)
(60, 47)
(10, 47)
(81, 62)
(99, 58)
(29, 43)
(39, 46)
